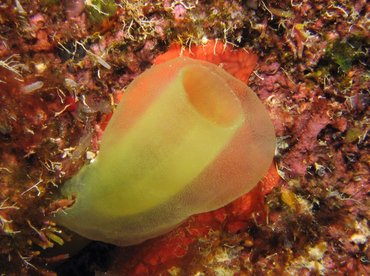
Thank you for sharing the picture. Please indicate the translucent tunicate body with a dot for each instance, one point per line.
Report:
(187, 138)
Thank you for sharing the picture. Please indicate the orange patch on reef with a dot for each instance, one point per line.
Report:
(177, 247)
(238, 62)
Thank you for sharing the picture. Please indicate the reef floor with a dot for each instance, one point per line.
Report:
(63, 68)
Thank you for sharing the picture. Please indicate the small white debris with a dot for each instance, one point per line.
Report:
(90, 156)
(33, 86)
(40, 67)
(358, 238)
